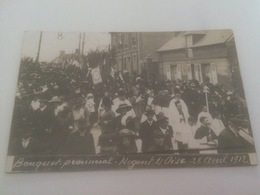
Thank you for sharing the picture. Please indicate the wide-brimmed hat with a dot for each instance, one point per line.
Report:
(122, 107)
(126, 133)
(55, 99)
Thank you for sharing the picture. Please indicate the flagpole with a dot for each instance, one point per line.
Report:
(206, 90)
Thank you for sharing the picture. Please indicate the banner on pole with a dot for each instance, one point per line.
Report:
(96, 76)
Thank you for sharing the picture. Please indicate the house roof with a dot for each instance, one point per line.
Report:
(177, 42)
(210, 37)
(214, 37)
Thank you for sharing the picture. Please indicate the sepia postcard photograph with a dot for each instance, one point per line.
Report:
(128, 100)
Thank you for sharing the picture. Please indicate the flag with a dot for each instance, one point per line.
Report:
(96, 76)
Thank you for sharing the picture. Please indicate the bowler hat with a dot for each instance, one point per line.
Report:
(122, 107)
(161, 117)
(149, 112)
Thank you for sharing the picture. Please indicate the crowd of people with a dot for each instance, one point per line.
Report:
(56, 109)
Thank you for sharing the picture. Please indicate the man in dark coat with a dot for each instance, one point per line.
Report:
(158, 145)
(24, 143)
(27, 145)
(192, 99)
(235, 140)
(204, 131)
(60, 125)
(164, 127)
(81, 142)
(146, 130)
(43, 122)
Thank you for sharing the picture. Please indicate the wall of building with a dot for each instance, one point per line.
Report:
(125, 47)
(133, 48)
(210, 51)
(150, 42)
(183, 68)
(173, 55)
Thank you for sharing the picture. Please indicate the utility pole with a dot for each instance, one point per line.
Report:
(39, 49)
(83, 43)
(79, 42)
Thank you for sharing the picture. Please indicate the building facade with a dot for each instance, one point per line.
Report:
(200, 55)
(136, 51)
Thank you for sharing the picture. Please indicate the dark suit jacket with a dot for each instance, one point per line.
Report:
(43, 120)
(168, 136)
(203, 131)
(117, 125)
(146, 134)
(158, 149)
(228, 142)
(35, 147)
(121, 149)
(80, 145)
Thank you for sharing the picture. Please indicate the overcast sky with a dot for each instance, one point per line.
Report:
(52, 43)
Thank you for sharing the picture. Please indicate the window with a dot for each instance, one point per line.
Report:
(190, 53)
(134, 42)
(114, 40)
